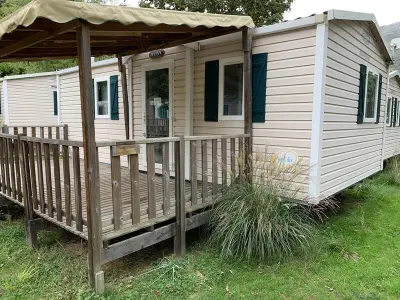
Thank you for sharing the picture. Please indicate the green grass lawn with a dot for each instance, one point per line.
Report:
(357, 257)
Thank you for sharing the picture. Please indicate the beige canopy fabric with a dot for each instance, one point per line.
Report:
(46, 29)
(62, 11)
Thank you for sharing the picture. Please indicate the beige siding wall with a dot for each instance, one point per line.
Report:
(392, 134)
(351, 151)
(289, 103)
(290, 82)
(30, 101)
(106, 129)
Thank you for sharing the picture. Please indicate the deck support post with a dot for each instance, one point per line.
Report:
(33, 227)
(28, 205)
(180, 225)
(96, 275)
(248, 103)
(124, 84)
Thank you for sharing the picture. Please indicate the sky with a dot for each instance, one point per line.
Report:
(386, 11)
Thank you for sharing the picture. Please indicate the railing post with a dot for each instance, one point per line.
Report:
(65, 132)
(28, 206)
(180, 237)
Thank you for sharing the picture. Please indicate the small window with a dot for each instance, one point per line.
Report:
(371, 97)
(389, 112)
(397, 112)
(55, 103)
(102, 97)
(231, 89)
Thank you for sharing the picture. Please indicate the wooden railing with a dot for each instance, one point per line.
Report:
(53, 190)
(170, 191)
(145, 184)
(43, 131)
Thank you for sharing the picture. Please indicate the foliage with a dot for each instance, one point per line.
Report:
(263, 12)
(261, 220)
(392, 171)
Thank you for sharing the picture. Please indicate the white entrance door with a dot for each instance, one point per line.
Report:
(157, 85)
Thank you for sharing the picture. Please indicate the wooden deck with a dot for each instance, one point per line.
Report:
(137, 209)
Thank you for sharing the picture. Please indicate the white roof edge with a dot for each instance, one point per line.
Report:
(336, 14)
(96, 64)
(263, 30)
(289, 25)
(43, 74)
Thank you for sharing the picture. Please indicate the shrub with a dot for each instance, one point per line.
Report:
(391, 174)
(261, 220)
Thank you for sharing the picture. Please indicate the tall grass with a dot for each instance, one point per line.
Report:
(391, 175)
(261, 220)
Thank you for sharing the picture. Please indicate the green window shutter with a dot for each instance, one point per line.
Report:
(378, 111)
(259, 86)
(394, 109)
(55, 103)
(211, 90)
(398, 114)
(361, 94)
(114, 97)
(94, 102)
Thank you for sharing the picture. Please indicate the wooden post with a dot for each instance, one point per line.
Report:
(122, 70)
(96, 275)
(24, 158)
(65, 132)
(180, 237)
(248, 103)
(67, 178)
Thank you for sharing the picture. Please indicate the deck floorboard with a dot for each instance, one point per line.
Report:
(106, 199)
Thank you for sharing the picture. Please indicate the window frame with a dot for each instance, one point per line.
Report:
(222, 63)
(374, 72)
(58, 108)
(390, 110)
(96, 81)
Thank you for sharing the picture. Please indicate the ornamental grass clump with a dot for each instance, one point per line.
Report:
(391, 174)
(263, 220)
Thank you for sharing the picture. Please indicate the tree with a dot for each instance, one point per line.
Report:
(16, 68)
(263, 12)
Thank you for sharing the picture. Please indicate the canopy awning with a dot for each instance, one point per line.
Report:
(46, 29)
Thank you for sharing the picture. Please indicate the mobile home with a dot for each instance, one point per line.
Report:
(314, 88)
(309, 96)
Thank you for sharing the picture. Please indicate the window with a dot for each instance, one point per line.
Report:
(231, 89)
(371, 97)
(397, 112)
(389, 111)
(55, 103)
(102, 97)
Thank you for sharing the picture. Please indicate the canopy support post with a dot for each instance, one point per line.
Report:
(122, 70)
(96, 275)
(248, 103)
